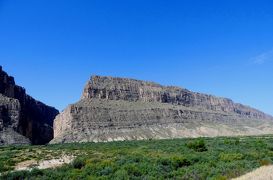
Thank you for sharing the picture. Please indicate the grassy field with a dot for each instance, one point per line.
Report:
(203, 158)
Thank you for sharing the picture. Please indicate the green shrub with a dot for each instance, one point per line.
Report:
(106, 171)
(5, 168)
(197, 145)
(121, 175)
(261, 144)
(265, 162)
(221, 158)
(220, 177)
(270, 148)
(237, 141)
(16, 175)
(229, 157)
(36, 172)
(133, 170)
(79, 163)
(179, 162)
(164, 161)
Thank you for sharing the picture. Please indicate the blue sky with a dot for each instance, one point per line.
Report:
(223, 48)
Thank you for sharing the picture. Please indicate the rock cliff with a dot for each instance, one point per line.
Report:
(23, 120)
(113, 109)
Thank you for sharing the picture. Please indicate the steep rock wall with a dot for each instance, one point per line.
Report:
(135, 90)
(23, 114)
(124, 109)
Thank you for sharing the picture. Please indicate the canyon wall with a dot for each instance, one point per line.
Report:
(22, 118)
(124, 109)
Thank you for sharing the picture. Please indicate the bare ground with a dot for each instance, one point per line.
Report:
(45, 164)
(263, 173)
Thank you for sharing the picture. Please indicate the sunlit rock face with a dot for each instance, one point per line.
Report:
(23, 120)
(113, 109)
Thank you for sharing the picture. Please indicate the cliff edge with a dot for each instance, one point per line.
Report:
(114, 109)
(23, 120)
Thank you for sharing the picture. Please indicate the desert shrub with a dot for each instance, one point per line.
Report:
(265, 162)
(220, 177)
(252, 155)
(133, 170)
(5, 168)
(260, 143)
(106, 171)
(121, 174)
(231, 141)
(197, 145)
(36, 172)
(104, 168)
(179, 162)
(229, 157)
(79, 163)
(270, 148)
(227, 141)
(164, 161)
(221, 158)
(15, 175)
(237, 141)
(121, 161)
(164, 165)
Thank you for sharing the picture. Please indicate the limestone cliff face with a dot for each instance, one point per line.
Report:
(22, 118)
(133, 90)
(123, 109)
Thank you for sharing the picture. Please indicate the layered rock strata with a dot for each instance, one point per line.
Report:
(23, 119)
(113, 109)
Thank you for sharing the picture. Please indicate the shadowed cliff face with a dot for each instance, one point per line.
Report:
(23, 115)
(124, 109)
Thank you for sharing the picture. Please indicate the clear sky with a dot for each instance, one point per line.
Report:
(224, 48)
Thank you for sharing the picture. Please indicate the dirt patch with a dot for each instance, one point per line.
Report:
(45, 164)
(26, 164)
(263, 173)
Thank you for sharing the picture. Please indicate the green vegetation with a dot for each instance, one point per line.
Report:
(198, 145)
(202, 158)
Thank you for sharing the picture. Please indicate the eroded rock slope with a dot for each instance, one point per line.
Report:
(23, 120)
(125, 109)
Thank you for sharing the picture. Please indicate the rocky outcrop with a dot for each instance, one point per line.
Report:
(22, 118)
(134, 90)
(124, 109)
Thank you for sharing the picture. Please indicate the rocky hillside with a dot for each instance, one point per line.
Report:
(124, 109)
(22, 118)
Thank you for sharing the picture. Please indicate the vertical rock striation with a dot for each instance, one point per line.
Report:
(123, 109)
(22, 118)
(134, 90)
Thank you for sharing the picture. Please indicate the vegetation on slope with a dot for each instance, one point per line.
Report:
(202, 158)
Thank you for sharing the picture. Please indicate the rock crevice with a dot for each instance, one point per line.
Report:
(21, 115)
